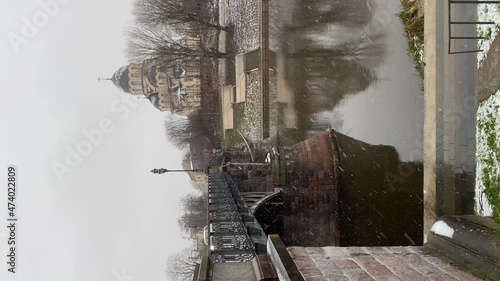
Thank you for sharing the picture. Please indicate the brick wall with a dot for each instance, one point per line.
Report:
(250, 178)
(343, 192)
(257, 184)
(310, 196)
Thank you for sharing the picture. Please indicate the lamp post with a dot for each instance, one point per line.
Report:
(163, 170)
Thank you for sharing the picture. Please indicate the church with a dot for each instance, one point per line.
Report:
(173, 87)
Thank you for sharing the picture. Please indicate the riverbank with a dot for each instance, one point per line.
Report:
(488, 158)
(412, 18)
(487, 202)
(486, 13)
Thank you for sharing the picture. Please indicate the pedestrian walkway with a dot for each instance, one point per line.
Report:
(375, 263)
(450, 114)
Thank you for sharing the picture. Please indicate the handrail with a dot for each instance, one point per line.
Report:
(452, 23)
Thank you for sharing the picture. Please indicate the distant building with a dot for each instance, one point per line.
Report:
(198, 242)
(199, 180)
(172, 86)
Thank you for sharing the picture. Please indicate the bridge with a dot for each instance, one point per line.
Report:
(234, 234)
(240, 249)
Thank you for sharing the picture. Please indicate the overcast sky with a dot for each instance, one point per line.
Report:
(88, 207)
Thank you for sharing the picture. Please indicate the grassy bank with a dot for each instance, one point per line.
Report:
(412, 18)
(278, 165)
(485, 13)
(232, 137)
(488, 158)
(488, 124)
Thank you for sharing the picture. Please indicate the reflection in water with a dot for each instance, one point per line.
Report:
(322, 84)
(350, 193)
(348, 58)
(350, 13)
(381, 197)
(342, 73)
(323, 73)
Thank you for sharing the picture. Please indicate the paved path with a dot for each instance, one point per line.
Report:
(450, 114)
(375, 263)
(459, 118)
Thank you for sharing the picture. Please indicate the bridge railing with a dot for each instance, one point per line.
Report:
(234, 235)
(452, 23)
(228, 239)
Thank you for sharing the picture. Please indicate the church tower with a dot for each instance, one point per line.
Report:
(169, 88)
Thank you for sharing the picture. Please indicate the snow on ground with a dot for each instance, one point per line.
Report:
(491, 105)
(487, 12)
(442, 229)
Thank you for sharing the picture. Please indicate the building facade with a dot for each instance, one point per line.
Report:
(172, 86)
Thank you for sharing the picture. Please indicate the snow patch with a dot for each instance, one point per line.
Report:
(487, 12)
(442, 229)
(491, 105)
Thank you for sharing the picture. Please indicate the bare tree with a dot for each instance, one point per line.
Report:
(195, 203)
(192, 222)
(180, 131)
(181, 266)
(173, 13)
(195, 212)
(166, 46)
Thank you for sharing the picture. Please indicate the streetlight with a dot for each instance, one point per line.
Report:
(163, 170)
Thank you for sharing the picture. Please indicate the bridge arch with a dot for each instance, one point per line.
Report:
(267, 208)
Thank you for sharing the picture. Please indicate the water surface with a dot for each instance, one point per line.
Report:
(344, 65)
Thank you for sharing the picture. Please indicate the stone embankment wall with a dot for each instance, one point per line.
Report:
(340, 191)
(244, 18)
(311, 194)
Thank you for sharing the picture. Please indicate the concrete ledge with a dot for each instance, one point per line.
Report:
(433, 85)
(263, 268)
(282, 261)
(470, 240)
(201, 272)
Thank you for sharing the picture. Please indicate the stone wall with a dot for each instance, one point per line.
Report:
(274, 106)
(256, 184)
(310, 193)
(252, 178)
(252, 120)
(244, 18)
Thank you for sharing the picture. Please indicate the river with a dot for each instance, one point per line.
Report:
(344, 65)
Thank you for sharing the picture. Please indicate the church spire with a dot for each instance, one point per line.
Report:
(100, 79)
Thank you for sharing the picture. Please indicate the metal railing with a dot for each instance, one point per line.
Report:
(233, 234)
(452, 23)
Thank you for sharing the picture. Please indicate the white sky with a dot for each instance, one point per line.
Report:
(109, 215)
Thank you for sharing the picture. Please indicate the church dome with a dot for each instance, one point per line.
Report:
(121, 79)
